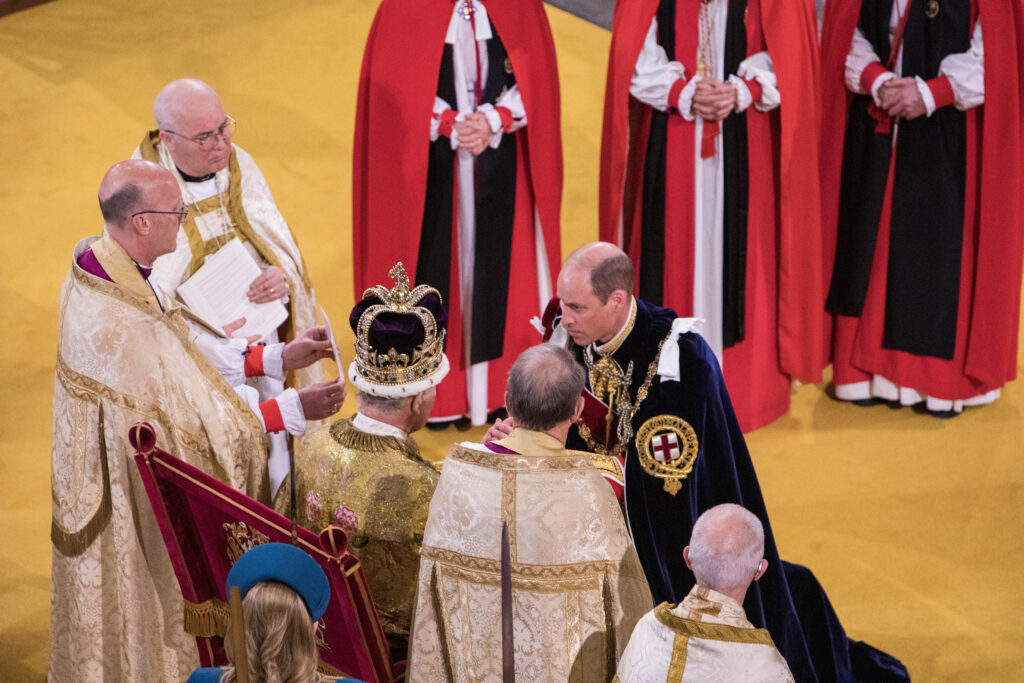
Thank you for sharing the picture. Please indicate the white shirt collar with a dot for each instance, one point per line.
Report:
(371, 426)
(617, 338)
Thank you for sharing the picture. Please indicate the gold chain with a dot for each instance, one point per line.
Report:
(705, 57)
(626, 412)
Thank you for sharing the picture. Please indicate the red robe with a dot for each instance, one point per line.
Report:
(785, 280)
(985, 355)
(397, 86)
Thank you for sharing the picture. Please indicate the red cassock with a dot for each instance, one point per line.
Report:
(398, 84)
(784, 279)
(988, 301)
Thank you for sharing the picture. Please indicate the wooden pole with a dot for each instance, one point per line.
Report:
(238, 636)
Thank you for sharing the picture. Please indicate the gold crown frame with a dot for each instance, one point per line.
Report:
(394, 368)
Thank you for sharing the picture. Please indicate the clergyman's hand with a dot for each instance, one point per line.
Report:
(900, 98)
(323, 399)
(235, 326)
(474, 133)
(499, 430)
(269, 285)
(306, 349)
(713, 100)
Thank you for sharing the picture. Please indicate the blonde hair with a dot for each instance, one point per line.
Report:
(280, 639)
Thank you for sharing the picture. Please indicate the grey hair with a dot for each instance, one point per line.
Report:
(117, 207)
(381, 403)
(543, 386)
(726, 547)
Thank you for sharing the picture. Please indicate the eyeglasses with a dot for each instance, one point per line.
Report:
(182, 215)
(208, 139)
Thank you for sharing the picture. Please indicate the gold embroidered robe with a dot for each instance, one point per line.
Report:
(379, 488)
(578, 588)
(116, 609)
(706, 637)
(244, 209)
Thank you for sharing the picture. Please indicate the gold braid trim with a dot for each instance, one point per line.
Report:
(72, 543)
(707, 630)
(174, 318)
(109, 288)
(529, 571)
(677, 664)
(87, 389)
(518, 462)
(348, 436)
(541, 586)
(206, 619)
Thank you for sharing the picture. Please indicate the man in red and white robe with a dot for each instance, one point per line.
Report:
(709, 181)
(922, 169)
(457, 172)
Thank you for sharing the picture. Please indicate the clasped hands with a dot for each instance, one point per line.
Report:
(713, 99)
(901, 99)
(474, 133)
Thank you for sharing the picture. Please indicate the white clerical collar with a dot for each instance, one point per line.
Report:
(483, 27)
(615, 342)
(376, 427)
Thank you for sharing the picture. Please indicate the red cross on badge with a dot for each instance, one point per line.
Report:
(665, 447)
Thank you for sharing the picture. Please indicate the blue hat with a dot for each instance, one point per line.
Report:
(287, 564)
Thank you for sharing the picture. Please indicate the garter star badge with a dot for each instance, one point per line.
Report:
(667, 447)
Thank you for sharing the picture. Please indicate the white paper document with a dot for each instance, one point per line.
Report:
(334, 342)
(218, 293)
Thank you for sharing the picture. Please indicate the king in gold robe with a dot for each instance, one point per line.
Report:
(116, 610)
(366, 474)
(577, 584)
(372, 482)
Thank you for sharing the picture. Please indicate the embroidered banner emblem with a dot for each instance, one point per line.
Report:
(240, 538)
(667, 447)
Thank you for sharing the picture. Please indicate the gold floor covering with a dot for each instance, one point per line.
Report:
(912, 524)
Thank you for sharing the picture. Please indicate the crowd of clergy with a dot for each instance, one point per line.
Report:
(771, 200)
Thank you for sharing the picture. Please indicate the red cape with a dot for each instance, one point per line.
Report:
(995, 173)
(397, 86)
(789, 33)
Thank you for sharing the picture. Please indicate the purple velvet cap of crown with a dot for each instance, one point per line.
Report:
(402, 332)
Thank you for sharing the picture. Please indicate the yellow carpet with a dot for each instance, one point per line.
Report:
(912, 524)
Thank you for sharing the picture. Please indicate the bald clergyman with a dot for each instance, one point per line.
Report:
(227, 197)
(116, 610)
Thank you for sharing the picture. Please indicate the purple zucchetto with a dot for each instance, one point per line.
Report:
(400, 339)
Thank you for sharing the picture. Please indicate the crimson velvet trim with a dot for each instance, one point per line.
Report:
(506, 118)
(942, 91)
(254, 360)
(272, 418)
(870, 74)
(674, 92)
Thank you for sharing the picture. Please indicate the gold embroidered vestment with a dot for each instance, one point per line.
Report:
(578, 588)
(116, 609)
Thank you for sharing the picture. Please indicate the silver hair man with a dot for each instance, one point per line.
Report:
(726, 550)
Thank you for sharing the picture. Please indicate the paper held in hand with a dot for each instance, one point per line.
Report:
(334, 342)
(217, 293)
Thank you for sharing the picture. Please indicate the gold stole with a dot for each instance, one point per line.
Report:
(121, 269)
(239, 226)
